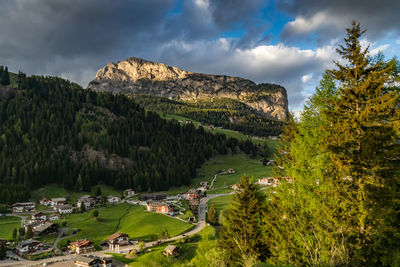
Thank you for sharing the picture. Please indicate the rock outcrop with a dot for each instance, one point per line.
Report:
(138, 76)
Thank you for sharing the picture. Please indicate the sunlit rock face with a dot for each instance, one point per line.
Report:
(138, 76)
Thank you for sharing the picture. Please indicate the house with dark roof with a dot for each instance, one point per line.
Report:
(153, 196)
(116, 240)
(82, 261)
(47, 228)
(23, 207)
(29, 246)
(39, 216)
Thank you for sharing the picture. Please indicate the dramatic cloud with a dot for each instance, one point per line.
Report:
(329, 18)
(75, 38)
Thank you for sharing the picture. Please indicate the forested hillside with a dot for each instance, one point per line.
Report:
(224, 112)
(53, 131)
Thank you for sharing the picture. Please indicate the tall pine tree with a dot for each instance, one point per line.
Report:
(241, 235)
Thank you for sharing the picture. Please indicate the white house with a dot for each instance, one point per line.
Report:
(53, 217)
(64, 209)
(129, 193)
(113, 199)
(23, 207)
(58, 201)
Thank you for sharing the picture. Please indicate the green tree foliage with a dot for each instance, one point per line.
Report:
(29, 232)
(163, 235)
(339, 207)
(241, 234)
(15, 234)
(21, 232)
(98, 191)
(50, 130)
(212, 215)
(94, 213)
(4, 76)
(3, 250)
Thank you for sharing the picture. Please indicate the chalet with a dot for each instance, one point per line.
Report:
(160, 207)
(45, 202)
(129, 193)
(23, 207)
(171, 250)
(193, 194)
(29, 246)
(39, 216)
(86, 200)
(82, 246)
(269, 181)
(153, 196)
(116, 240)
(113, 199)
(64, 209)
(58, 201)
(230, 171)
(53, 217)
(48, 228)
(81, 261)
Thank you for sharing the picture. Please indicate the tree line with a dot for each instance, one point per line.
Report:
(53, 131)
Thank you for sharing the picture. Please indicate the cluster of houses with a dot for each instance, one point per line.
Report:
(269, 181)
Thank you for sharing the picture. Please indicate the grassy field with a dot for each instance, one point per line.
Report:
(133, 220)
(220, 203)
(7, 225)
(52, 191)
(242, 164)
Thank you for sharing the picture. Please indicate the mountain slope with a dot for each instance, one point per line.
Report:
(138, 76)
(53, 131)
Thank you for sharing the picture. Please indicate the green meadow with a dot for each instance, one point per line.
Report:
(7, 225)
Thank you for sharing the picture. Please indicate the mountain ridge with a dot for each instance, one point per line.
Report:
(139, 76)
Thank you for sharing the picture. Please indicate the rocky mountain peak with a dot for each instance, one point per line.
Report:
(139, 76)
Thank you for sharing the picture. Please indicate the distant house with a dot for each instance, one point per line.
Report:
(116, 240)
(29, 246)
(53, 217)
(23, 207)
(39, 216)
(153, 196)
(113, 199)
(192, 194)
(64, 209)
(82, 261)
(45, 202)
(129, 193)
(171, 250)
(230, 171)
(89, 201)
(269, 181)
(58, 201)
(160, 207)
(82, 246)
(48, 228)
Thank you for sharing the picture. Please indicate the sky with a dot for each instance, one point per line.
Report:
(287, 42)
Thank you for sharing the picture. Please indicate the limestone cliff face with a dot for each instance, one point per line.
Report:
(138, 76)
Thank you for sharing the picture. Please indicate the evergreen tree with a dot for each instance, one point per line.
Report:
(21, 232)
(342, 160)
(29, 232)
(15, 234)
(362, 142)
(98, 191)
(3, 250)
(94, 213)
(241, 234)
(212, 215)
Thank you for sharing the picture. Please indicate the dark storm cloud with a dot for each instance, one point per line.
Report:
(331, 17)
(75, 38)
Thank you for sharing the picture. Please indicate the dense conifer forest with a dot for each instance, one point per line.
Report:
(53, 131)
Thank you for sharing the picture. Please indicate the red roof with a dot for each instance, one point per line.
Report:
(81, 243)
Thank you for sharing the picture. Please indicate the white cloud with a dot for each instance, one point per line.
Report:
(398, 41)
(306, 78)
(294, 68)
